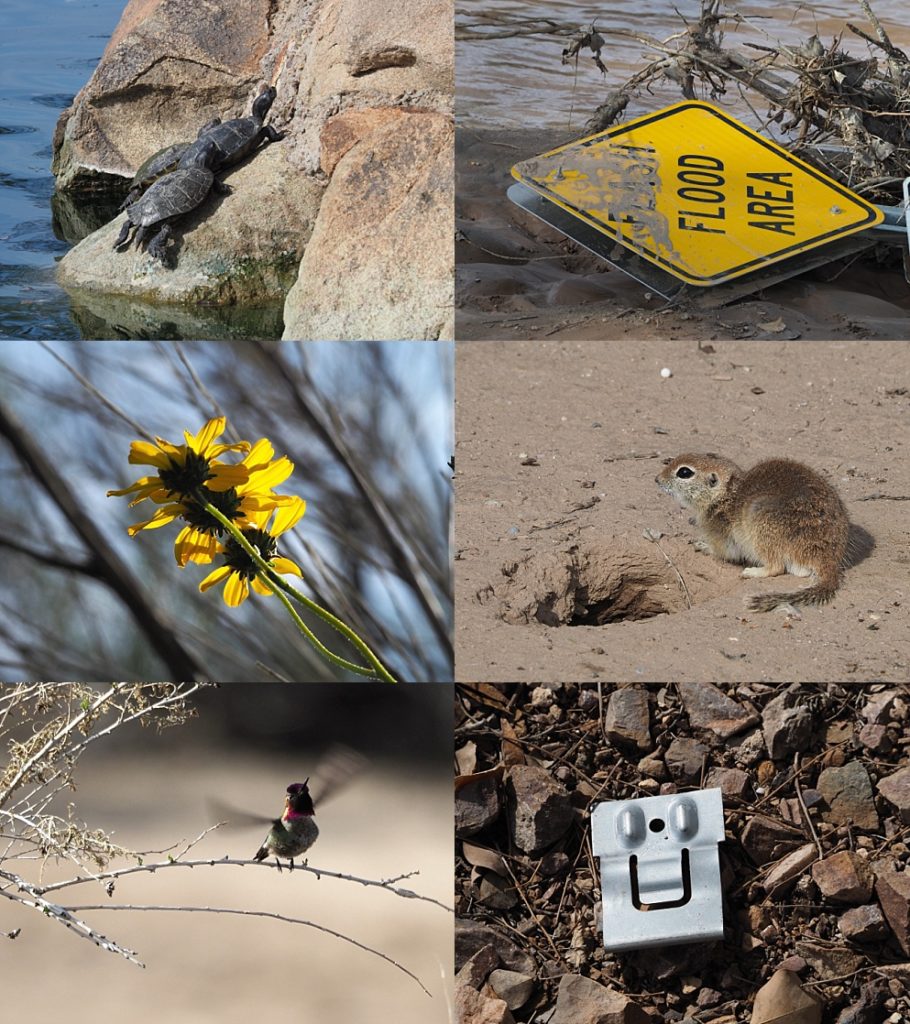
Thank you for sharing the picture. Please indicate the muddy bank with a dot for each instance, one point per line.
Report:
(518, 278)
(559, 445)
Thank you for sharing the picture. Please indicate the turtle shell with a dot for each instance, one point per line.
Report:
(158, 164)
(174, 194)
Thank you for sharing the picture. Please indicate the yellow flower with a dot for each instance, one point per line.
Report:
(239, 572)
(191, 471)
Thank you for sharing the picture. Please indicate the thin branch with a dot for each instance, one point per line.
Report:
(257, 913)
(387, 884)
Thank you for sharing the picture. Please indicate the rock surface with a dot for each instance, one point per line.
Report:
(685, 759)
(539, 808)
(512, 986)
(473, 1007)
(783, 995)
(381, 233)
(241, 248)
(786, 724)
(844, 877)
(848, 793)
(893, 891)
(708, 708)
(863, 924)
(627, 723)
(582, 1001)
(477, 803)
(895, 788)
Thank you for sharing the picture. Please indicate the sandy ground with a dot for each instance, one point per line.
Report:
(518, 278)
(236, 970)
(559, 443)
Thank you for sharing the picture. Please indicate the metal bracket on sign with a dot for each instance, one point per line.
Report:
(660, 869)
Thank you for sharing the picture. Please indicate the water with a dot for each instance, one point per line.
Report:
(521, 82)
(48, 51)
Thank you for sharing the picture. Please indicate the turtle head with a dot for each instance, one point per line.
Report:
(263, 101)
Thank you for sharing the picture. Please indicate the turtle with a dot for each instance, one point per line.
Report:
(238, 137)
(159, 164)
(169, 198)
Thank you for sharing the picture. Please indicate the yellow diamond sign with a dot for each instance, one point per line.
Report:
(698, 193)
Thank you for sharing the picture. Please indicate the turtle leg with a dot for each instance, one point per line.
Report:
(270, 134)
(124, 231)
(157, 247)
(221, 188)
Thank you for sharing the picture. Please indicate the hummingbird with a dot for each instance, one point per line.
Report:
(295, 831)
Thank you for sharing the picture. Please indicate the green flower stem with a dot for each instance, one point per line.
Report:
(275, 583)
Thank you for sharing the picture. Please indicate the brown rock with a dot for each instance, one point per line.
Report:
(765, 839)
(863, 924)
(829, 961)
(878, 707)
(685, 759)
(848, 794)
(477, 804)
(477, 969)
(471, 936)
(875, 738)
(734, 783)
(512, 986)
(786, 724)
(844, 877)
(539, 808)
(653, 768)
(390, 193)
(781, 996)
(710, 709)
(627, 723)
(893, 891)
(473, 1007)
(582, 1001)
(895, 788)
(786, 871)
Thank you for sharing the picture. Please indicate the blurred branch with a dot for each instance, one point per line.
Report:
(402, 555)
(180, 663)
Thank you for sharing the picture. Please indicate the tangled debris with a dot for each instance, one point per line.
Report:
(815, 866)
(845, 114)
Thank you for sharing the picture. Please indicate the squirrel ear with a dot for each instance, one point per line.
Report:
(712, 479)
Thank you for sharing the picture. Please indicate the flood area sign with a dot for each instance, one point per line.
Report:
(697, 193)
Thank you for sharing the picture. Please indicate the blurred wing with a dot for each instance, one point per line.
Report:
(234, 816)
(339, 766)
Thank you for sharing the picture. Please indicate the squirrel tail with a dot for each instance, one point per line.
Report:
(820, 593)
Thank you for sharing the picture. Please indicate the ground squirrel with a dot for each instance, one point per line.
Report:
(777, 517)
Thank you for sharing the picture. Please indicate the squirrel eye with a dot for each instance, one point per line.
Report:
(684, 472)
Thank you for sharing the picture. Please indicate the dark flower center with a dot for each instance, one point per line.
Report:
(183, 480)
(240, 561)
(227, 503)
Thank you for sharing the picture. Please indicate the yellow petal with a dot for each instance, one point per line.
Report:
(227, 477)
(287, 516)
(220, 449)
(269, 476)
(261, 453)
(260, 587)
(144, 454)
(286, 567)
(200, 443)
(215, 577)
(236, 590)
(194, 545)
(164, 515)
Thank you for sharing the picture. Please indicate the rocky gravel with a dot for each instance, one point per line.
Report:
(815, 866)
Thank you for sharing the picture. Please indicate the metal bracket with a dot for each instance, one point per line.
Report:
(660, 869)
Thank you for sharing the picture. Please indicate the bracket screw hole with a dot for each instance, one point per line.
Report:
(656, 825)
